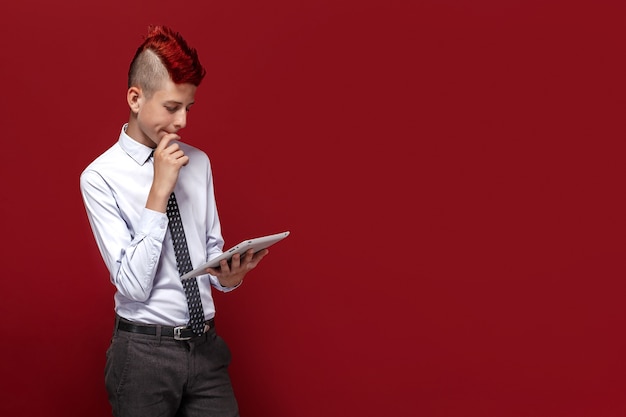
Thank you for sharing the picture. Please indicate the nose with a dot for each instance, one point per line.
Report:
(181, 119)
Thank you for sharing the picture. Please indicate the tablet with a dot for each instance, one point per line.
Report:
(257, 244)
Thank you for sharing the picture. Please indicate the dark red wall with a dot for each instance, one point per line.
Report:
(452, 173)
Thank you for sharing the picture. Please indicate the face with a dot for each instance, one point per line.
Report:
(162, 113)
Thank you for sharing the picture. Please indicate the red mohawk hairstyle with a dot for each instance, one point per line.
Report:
(164, 49)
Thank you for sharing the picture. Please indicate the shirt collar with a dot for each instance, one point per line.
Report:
(138, 151)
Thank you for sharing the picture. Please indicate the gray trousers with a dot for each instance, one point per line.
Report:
(157, 376)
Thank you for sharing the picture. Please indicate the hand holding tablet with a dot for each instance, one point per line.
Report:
(257, 244)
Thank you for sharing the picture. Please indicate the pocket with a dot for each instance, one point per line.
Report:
(223, 351)
(117, 359)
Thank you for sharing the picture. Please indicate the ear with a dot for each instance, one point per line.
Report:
(135, 98)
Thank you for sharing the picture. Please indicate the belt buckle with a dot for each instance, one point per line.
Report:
(178, 331)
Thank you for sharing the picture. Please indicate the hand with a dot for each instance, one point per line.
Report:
(231, 275)
(169, 158)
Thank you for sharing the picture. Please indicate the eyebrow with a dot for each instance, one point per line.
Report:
(177, 102)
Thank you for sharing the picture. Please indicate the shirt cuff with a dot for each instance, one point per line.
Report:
(220, 287)
(153, 224)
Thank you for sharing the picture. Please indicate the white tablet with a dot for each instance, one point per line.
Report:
(257, 244)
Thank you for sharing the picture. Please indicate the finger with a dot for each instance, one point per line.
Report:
(235, 261)
(224, 266)
(254, 261)
(248, 255)
(214, 271)
(221, 270)
(174, 154)
(166, 141)
(260, 255)
(239, 260)
(178, 154)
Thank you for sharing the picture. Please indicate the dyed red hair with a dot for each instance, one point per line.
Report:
(179, 59)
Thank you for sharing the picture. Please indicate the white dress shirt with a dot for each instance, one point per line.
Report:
(135, 242)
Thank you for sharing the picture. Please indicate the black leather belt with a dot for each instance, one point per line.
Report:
(178, 333)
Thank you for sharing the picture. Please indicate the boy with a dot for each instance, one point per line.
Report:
(160, 361)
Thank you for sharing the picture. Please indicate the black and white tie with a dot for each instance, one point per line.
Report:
(183, 262)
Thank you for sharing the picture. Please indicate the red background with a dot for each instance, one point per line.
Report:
(452, 173)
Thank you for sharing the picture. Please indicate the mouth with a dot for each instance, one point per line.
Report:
(167, 132)
(162, 134)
